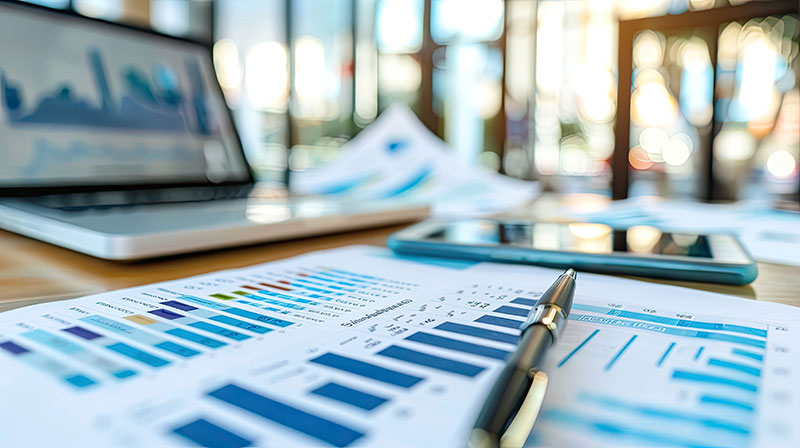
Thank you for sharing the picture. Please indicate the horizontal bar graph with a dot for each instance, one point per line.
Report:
(187, 335)
(48, 365)
(523, 301)
(350, 396)
(221, 318)
(203, 433)
(460, 346)
(432, 361)
(319, 428)
(367, 370)
(513, 311)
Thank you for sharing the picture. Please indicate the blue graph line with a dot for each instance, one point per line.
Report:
(664, 356)
(699, 351)
(575, 350)
(713, 379)
(619, 353)
(711, 399)
(756, 356)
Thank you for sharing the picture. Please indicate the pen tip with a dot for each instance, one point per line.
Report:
(571, 273)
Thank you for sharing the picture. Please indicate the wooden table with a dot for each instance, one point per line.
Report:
(32, 271)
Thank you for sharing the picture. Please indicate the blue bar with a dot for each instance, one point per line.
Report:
(710, 399)
(367, 370)
(138, 355)
(178, 349)
(675, 322)
(240, 324)
(499, 321)
(434, 362)
(513, 311)
(666, 353)
(699, 351)
(211, 328)
(80, 380)
(735, 366)
(353, 397)
(194, 337)
(575, 350)
(312, 425)
(524, 301)
(713, 379)
(616, 322)
(478, 332)
(461, 346)
(206, 434)
(747, 354)
(259, 317)
(620, 352)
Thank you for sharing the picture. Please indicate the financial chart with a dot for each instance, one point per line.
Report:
(354, 347)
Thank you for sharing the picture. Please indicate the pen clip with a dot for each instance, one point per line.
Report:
(521, 425)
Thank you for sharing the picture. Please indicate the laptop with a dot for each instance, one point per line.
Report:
(117, 142)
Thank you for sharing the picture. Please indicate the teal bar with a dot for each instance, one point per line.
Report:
(734, 366)
(178, 349)
(138, 355)
(194, 337)
(241, 324)
(747, 354)
(713, 379)
(216, 329)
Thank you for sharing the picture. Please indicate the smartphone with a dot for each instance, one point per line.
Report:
(638, 250)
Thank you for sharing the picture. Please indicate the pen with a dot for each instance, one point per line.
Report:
(517, 380)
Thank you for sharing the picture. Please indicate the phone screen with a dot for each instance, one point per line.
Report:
(574, 237)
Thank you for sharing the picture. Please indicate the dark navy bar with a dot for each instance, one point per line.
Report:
(432, 361)
(179, 305)
(82, 333)
(312, 425)
(499, 321)
(460, 346)
(353, 397)
(206, 434)
(13, 348)
(367, 370)
(478, 332)
(524, 301)
(166, 314)
(513, 311)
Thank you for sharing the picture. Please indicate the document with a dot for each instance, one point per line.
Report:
(358, 347)
(398, 159)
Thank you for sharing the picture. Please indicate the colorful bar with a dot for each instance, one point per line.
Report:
(309, 424)
(221, 296)
(282, 296)
(513, 311)
(260, 317)
(83, 333)
(432, 361)
(80, 353)
(619, 353)
(216, 329)
(166, 314)
(218, 317)
(353, 397)
(460, 346)
(713, 379)
(270, 285)
(138, 355)
(499, 321)
(140, 336)
(747, 354)
(575, 350)
(206, 434)
(524, 301)
(666, 353)
(478, 332)
(175, 331)
(47, 365)
(367, 370)
(734, 366)
(240, 324)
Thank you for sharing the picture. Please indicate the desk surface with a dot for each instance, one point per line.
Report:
(32, 271)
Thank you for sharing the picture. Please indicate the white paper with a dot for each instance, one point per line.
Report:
(638, 364)
(769, 235)
(397, 158)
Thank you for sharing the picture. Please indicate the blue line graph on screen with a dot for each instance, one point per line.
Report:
(153, 103)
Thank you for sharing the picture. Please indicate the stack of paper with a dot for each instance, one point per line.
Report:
(397, 158)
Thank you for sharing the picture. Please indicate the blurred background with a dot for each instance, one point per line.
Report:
(711, 105)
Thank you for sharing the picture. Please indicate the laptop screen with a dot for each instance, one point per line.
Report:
(88, 103)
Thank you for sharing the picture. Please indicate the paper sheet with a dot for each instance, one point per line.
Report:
(397, 158)
(770, 235)
(355, 347)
